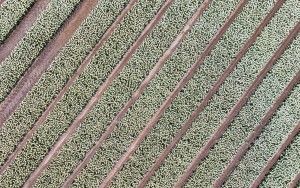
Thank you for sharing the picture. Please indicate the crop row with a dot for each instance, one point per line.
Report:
(78, 95)
(157, 91)
(263, 148)
(288, 165)
(31, 45)
(117, 94)
(10, 13)
(209, 119)
(54, 79)
(190, 96)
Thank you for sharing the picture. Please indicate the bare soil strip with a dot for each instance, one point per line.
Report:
(272, 160)
(20, 30)
(188, 75)
(138, 92)
(203, 152)
(295, 181)
(70, 82)
(43, 61)
(200, 107)
(1, 2)
(233, 163)
(93, 101)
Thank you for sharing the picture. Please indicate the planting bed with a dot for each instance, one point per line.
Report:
(137, 93)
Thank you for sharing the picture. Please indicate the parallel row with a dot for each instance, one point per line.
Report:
(11, 13)
(122, 129)
(31, 46)
(21, 28)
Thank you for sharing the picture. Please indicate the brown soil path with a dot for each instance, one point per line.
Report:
(20, 30)
(70, 82)
(207, 98)
(295, 181)
(43, 61)
(93, 101)
(1, 2)
(189, 74)
(272, 160)
(203, 152)
(234, 162)
(135, 96)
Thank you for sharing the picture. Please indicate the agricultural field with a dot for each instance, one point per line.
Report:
(139, 93)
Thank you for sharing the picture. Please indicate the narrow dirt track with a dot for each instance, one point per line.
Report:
(93, 150)
(1, 2)
(20, 30)
(234, 162)
(70, 82)
(203, 152)
(207, 98)
(271, 162)
(93, 101)
(43, 61)
(189, 74)
(295, 181)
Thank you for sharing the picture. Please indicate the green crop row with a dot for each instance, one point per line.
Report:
(64, 65)
(284, 121)
(80, 93)
(117, 94)
(187, 100)
(288, 165)
(10, 13)
(158, 89)
(253, 111)
(30, 46)
(221, 103)
(244, 123)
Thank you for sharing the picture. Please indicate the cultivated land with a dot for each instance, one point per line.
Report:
(137, 93)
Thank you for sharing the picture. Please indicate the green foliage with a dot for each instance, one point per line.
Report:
(248, 118)
(79, 94)
(274, 133)
(221, 103)
(13, 67)
(64, 65)
(158, 89)
(11, 12)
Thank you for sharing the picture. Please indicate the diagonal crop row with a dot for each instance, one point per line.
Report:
(141, 70)
(127, 131)
(272, 160)
(21, 28)
(58, 74)
(287, 167)
(66, 111)
(214, 138)
(295, 181)
(97, 96)
(33, 43)
(218, 107)
(259, 103)
(10, 13)
(193, 92)
(69, 83)
(44, 60)
(256, 132)
(169, 99)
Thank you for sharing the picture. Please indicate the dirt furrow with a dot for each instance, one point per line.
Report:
(70, 82)
(93, 101)
(203, 152)
(20, 30)
(43, 61)
(254, 134)
(189, 74)
(1, 2)
(272, 160)
(211, 92)
(295, 181)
